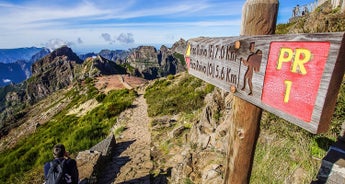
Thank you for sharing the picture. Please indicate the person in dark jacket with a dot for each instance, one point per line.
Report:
(70, 165)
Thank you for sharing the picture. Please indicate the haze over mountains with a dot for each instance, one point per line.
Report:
(15, 64)
(13, 55)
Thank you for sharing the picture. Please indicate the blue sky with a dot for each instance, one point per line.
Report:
(90, 25)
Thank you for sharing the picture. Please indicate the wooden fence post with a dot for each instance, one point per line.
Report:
(258, 18)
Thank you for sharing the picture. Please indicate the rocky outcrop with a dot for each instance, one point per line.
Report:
(334, 3)
(193, 150)
(151, 63)
(62, 67)
(118, 56)
(207, 139)
(179, 46)
(97, 66)
(143, 54)
(55, 59)
(53, 72)
(12, 102)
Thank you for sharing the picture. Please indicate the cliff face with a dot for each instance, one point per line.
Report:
(55, 59)
(179, 46)
(97, 66)
(151, 63)
(117, 56)
(51, 73)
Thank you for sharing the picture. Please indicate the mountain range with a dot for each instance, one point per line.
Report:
(15, 64)
(13, 55)
(62, 67)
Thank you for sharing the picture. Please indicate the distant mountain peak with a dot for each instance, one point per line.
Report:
(15, 54)
(56, 58)
(65, 51)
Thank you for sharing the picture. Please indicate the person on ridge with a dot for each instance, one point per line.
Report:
(62, 169)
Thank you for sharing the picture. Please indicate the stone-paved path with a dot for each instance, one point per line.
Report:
(131, 162)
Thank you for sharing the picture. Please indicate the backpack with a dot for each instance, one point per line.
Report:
(56, 173)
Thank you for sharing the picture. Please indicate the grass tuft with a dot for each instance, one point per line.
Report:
(167, 98)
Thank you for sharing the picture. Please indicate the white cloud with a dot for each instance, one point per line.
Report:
(6, 80)
(36, 21)
(125, 38)
(56, 43)
(106, 37)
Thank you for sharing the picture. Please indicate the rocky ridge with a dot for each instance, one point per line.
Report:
(151, 63)
(52, 73)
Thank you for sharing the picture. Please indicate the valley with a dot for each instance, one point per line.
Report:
(169, 126)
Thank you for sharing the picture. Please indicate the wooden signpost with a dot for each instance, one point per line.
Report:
(296, 77)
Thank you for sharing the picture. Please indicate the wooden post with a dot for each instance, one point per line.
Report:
(259, 18)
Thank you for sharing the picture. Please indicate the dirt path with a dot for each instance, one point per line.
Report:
(131, 162)
(111, 82)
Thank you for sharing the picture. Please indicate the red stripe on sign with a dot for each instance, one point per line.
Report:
(293, 75)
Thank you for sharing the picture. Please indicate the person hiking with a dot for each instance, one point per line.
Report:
(62, 169)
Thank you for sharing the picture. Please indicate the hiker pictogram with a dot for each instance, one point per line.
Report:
(253, 63)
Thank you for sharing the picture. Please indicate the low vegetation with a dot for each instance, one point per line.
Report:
(182, 95)
(167, 98)
(24, 163)
(180, 57)
(286, 153)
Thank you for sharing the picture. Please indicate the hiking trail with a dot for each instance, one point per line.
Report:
(131, 161)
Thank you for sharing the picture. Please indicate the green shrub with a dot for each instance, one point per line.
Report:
(180, 57)
(88, 80)
(188, 181)
(100, 97)
(167, 98)
(170, 77)
(283, 28)
(119, 131)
